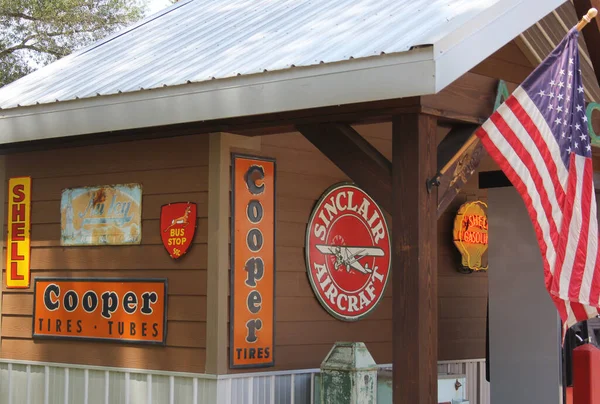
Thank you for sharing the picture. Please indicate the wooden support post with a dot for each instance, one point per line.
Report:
(355, 156)
(414, 260)
(217, 300)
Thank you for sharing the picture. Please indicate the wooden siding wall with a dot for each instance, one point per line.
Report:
(462, 298)
(170, 170)
(305, 332)
(507, 63)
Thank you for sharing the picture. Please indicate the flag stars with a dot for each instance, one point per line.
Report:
(565, 91)
(569, 150)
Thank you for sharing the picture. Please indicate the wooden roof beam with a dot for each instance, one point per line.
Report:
(372, 171)
(355, 156)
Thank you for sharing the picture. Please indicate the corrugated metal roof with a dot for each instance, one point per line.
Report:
(201, 40)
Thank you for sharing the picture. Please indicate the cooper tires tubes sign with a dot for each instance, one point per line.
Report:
(109, 309)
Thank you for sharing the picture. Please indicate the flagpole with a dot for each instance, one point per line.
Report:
(435, 181)
(586, 19)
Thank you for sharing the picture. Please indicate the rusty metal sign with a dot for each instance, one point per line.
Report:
(457, 174)
(101, 215)
(460, 167)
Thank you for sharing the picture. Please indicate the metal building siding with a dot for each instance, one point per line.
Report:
(200, 40)
(53, 383)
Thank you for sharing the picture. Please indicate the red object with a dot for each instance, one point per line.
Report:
(586, 375)
(347, 252)
(539, 137)
(177, 227)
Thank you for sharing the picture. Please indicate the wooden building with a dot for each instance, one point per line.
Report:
(165, 103)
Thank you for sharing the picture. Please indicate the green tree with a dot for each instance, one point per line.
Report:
(34, 33)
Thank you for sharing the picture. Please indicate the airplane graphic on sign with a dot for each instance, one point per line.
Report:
(350, 256)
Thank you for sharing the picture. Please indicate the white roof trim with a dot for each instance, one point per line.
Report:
(384, 77)
(473, 42)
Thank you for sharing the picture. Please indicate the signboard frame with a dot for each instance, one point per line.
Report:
(163, 281)
(236, 157)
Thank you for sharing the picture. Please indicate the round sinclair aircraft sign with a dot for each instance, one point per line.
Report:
(347, 252)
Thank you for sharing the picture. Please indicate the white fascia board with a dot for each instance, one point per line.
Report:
(360, 80)
(487, 32)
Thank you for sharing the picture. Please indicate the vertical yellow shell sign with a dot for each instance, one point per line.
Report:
(471, 234)
(19, 226)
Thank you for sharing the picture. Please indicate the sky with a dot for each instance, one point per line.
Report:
(157, 5)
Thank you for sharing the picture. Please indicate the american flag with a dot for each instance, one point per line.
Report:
(539, 138)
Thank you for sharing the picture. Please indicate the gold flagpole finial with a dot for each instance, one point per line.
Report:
(587, 18)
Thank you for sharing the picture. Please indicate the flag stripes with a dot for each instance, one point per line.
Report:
(519, 139)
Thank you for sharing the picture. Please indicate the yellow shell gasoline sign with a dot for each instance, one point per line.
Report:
(471, 234)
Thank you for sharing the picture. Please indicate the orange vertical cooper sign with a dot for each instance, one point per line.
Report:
(19, 228)
(253, 258)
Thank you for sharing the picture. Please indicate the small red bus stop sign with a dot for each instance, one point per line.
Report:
(347, 252)
(177, 227)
